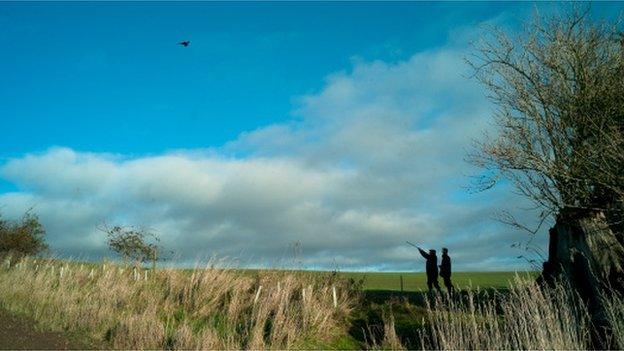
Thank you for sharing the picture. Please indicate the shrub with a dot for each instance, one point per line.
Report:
(23, 237)
(133, 244)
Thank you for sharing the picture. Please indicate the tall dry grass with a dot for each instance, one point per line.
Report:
(208, 308)
(527, 317)
(615, 315)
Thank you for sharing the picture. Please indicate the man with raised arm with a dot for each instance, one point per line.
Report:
(432, 269)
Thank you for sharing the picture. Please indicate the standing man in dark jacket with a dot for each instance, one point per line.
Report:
(432, 269)
(445, 271)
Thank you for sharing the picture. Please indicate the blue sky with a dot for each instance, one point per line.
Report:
(109, 76)
(98, 97)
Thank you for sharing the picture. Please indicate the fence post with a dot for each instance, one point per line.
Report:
(257, 294)
(334, 296)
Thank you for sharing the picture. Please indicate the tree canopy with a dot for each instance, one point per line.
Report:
(559, 92)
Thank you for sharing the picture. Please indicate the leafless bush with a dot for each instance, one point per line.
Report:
(133, 243)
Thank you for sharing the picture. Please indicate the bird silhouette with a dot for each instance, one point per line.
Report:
(184, 43)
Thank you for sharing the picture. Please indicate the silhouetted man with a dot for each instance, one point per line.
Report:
(432, 269)
(445, 271)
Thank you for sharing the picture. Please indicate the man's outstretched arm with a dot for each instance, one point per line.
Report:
(423, 253)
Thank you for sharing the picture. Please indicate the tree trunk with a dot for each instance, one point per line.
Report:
(584, 250)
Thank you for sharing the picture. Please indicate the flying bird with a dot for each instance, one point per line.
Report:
(184, 43)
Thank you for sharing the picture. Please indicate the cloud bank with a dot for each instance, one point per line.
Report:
(373, 159)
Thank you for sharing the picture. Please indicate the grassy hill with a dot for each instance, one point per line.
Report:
(418, 281)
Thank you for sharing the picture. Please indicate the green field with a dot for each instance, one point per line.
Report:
(412, 281)
(418, 281)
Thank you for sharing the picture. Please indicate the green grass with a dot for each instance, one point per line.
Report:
(412, 281)
(391, 281)
(418, 281)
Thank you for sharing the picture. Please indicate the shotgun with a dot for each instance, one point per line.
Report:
(412, 244)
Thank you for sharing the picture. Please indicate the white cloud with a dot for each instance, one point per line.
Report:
(373, 159)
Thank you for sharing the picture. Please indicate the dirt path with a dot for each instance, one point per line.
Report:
(19, 333)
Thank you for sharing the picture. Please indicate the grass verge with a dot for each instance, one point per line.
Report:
(211, 308)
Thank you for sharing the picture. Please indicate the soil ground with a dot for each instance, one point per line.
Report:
(21, 333)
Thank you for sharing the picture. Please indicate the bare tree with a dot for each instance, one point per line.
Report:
(559, 92)
(133, 244)
(559, 89)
